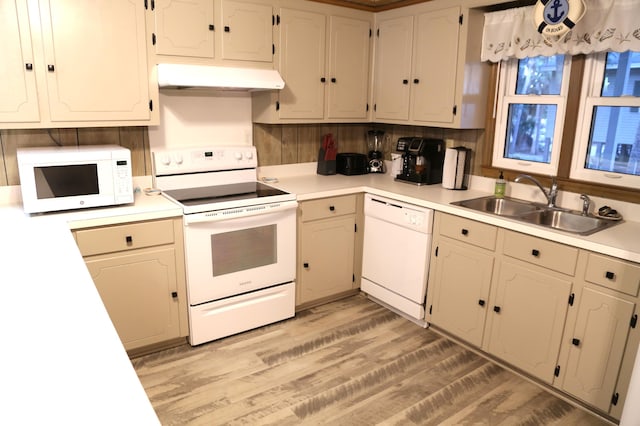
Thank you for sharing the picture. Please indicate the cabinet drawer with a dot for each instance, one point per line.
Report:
(613, 273)
(469, 231)
(328, 207)
(541, 252)
(124, 237)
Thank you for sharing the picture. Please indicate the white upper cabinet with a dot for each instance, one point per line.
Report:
(184, 28)
(428, 69)
(247, 31)
(215, 32)
(18, 94)
(82, 64)
(348, 71)
(324, 59)
(393, 68)
(95, 57)
(435, 56)
(302, 64)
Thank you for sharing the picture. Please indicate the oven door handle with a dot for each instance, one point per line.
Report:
(228, 214)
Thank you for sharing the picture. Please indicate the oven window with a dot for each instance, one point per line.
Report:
(66, 181)
(244, 249)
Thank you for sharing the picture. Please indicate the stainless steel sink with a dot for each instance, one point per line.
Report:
(538, 214)
(567, 221)
(501, 206)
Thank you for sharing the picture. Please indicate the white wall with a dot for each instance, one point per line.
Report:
(195, 118)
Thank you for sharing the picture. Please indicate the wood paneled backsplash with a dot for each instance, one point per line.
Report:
(134, 138)
(287, 144)
(276, 144)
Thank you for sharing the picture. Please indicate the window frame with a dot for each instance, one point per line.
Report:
(590, 98)
(566, 184)
(506, 96)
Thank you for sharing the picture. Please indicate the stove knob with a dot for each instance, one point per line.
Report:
(249, 155)
(238, 156)
(178, 158)
(165, 159)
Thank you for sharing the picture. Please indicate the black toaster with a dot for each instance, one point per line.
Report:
(351, 163)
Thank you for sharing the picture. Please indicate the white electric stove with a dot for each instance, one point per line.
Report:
(239, 238)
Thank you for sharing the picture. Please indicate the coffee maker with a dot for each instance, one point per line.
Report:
(422, 160)
(374, 150)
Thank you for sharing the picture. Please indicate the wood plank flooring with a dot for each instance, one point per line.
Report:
(350, 362)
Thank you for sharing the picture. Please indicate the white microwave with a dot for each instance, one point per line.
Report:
(65, 178)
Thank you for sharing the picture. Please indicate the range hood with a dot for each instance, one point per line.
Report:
(181, 76)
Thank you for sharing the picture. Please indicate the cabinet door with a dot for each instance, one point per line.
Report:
(434, 81)
(597, 347)
(348, 77)
(18, 95)
(247, 31)
(96, 61)
(302, 64)
(136, 288)
(184, 28)
(327, 257)
(529, 311)
(460, 290)
(393, 68)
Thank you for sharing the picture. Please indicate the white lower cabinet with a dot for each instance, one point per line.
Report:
(564, 316)
(138, 269)
(596, 348)
(328, 249)
(529, 301)
(136, 289)
(602, 335)
(527, 314)
(457, 296)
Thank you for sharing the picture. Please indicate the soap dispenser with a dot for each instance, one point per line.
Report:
(501, 185)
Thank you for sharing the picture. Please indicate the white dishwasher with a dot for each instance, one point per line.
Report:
(395, 260)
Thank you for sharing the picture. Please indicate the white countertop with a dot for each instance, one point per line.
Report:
(144, 207)
(63, 362)
(621, 240)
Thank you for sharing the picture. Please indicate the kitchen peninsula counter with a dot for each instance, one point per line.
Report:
(619, 241)
(63, 360)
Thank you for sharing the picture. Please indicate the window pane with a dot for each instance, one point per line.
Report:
(530, 132)
(541, 75)
(614, 143)
(621, 74)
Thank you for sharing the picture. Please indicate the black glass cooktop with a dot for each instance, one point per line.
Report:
(223, 193)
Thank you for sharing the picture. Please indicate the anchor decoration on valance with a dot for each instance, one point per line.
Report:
(554, 18)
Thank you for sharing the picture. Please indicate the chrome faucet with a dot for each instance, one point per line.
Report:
(586, 204)
(550, 195)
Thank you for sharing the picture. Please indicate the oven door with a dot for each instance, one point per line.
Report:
(235, 251)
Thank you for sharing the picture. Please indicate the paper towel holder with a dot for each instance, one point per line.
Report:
(456, 170)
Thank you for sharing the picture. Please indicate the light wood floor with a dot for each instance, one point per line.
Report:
(350, 362)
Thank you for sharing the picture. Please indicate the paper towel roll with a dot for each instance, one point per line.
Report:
(454, 171)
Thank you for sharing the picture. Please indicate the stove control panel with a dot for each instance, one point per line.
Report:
(206, 159)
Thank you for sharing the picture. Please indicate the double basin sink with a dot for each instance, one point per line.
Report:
(539, 214)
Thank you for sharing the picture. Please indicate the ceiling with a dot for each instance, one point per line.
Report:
(372, 5)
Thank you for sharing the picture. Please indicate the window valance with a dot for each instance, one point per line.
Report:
(607, 25)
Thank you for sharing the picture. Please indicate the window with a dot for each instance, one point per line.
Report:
(608, 135)
(530, 116)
